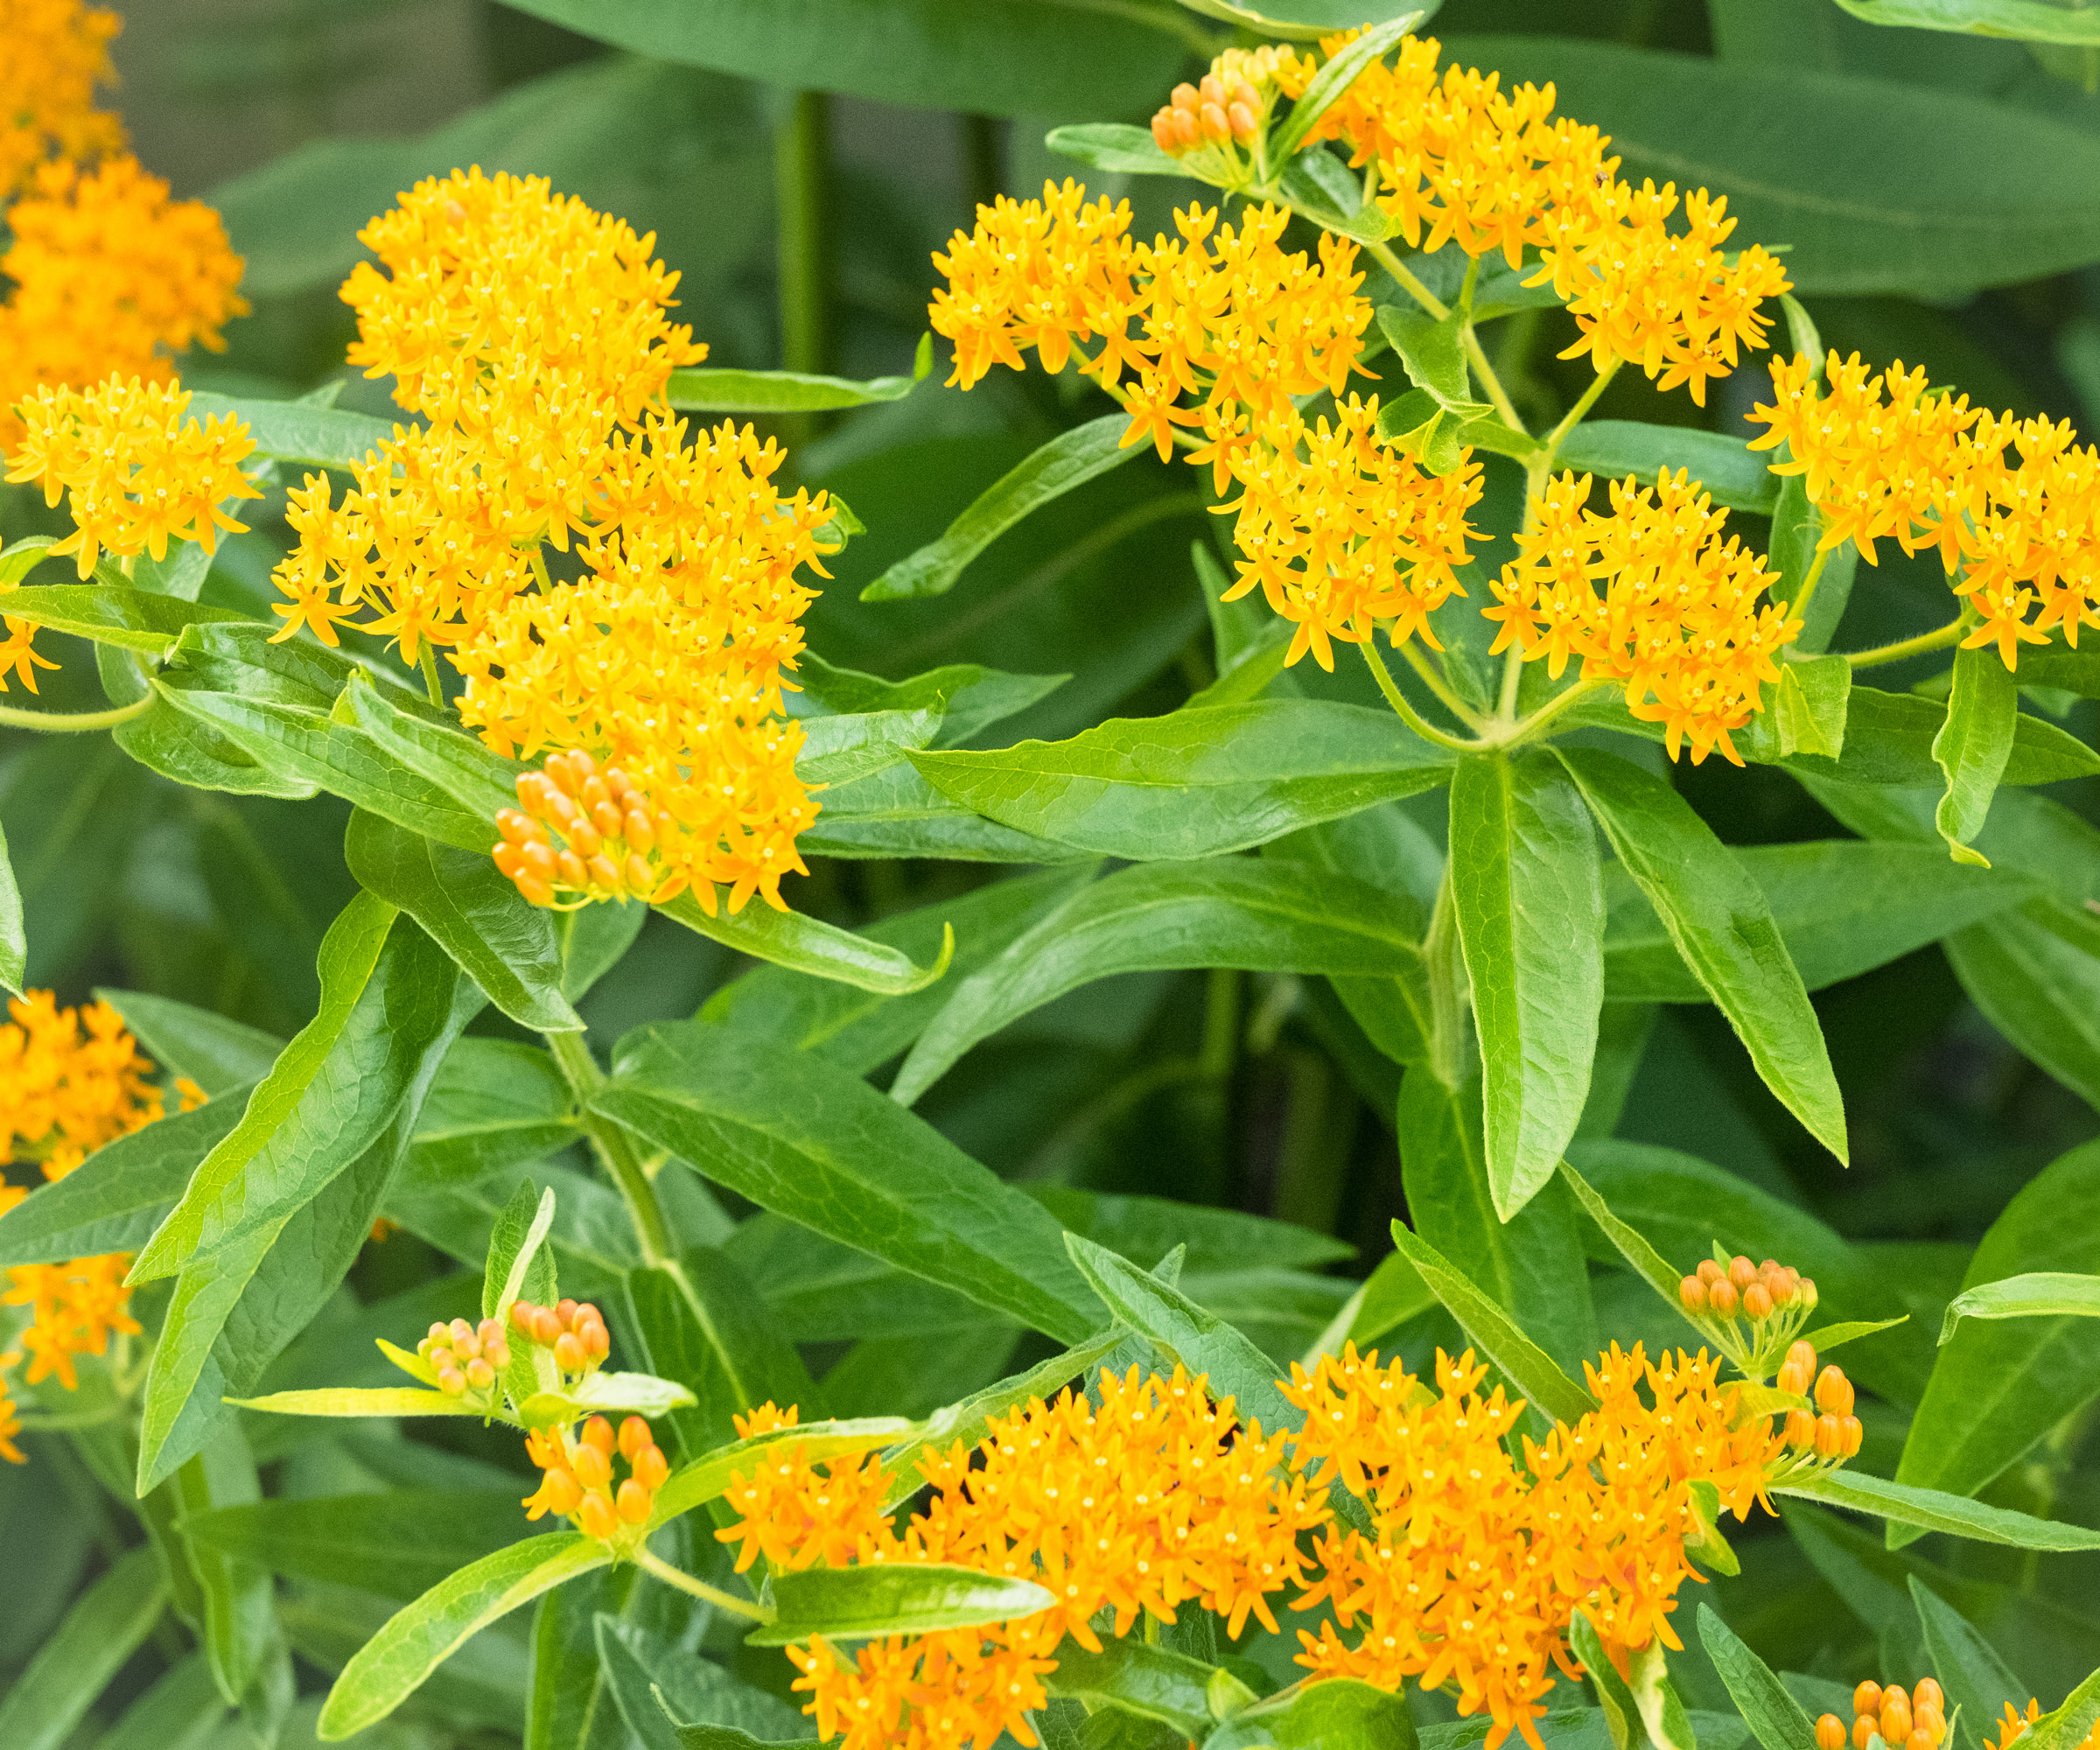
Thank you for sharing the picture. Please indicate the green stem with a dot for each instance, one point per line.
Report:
(431, 683)
(1532, 727)
(1220, 1023)
(1936, 640)
(650, 1563)
(1436, 682)
(801, 148)
(1798, 608)
(74, 723)
(1382, 254)
(1476, 355)
(615, 1148)
(1408, 715)
(1574, 416)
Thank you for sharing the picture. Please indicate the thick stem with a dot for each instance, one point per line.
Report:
(650, 1563)
(1936, 640)
(74, 723)
(1408, 714)
(615, 1148)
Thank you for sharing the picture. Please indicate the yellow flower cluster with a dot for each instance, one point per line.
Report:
(2013, 1727)
(111, 276)
(1883, 456)
(58, 51)
(1152, 1498)
(1477, 1564)
(1458, 159)
(137, 472)
(1678, 618)
(532, 333)
(71, 1080)
(577, 1484)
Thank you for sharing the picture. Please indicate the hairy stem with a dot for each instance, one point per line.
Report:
(1938, 638)
(1433, 679)
(1408, 714)
(615, 1148)
(74, 723)
(650, 1563)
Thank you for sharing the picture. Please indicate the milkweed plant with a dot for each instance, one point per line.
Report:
(1392, 1302)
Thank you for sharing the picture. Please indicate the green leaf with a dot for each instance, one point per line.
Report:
(1977, 1685)
(114, 1199)
(807, 944)
(1198, 783)
(482, 781)
(1997, 1387)
(416, 1641)
(2072, 1722)
(520, 1265)
(1724, 929)
(14, 937)
(1810, 705)
(1973, 747)
(1828, 162)
(473, 912)
(656, 1683)
(1827, 1337)
(1928, 1509)
(1255, 915)
(127, 618)
(796, 1134)
(861, 1030)
(105, 1626)
(167, 739)
(2035, 974)
(181, 1712)
(607, 1394)
(2033, 21)
(1337, 1713)
(1614, 1696)
(1184, 1333)
(241, 1635)
(298, 431)
(1116, 147)
(1432, 351)
(727, 391)
(391, 1005)
(2040, 1295)
(2070, 671)
(1842, 908)
(1767, 1708)
(1527, 1367)
(891, 1598)
(347, 1400)
(967, 697)
(398, 1544)
(1068, 460)
(1527, 890)
(20, 559)
(1138, 1678)
(895, 812)
(1332, 80)
(494, 1103)
(1732, 474)
(707, 1479)
(1649, 1263)
(220, 1056)
(839, 749)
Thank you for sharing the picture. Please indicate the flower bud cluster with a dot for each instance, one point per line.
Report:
(578, 1484)
(1773, 1298)
(574, 1330)
(606, 828)
(1230, 106)
(469, 1358)
(1830, 1431)
(1916, 1720)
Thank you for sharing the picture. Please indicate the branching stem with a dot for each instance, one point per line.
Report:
(650, 1563)
(1408, 715)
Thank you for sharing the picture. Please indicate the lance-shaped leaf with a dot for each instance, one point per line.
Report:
(1527, 887)
(1114, 146)
(657, 1684)
(1928, 1509)
(2041, 1294)
(1195, 782)
(1200, 1340)
(1257, 916)
(1139, 1678)
(129, 618)
(360, 1401)
(799, 1135)
(220, 1056)
(896, 812)
(839, 749)
(103, 1629)
(2033, 21)
(298, 431)
(391, 1005)
(114, 1199)
(14, 938)
(242, 1641)
(1724, 929)
(891, 1597)
(1767, 1709)
(1068, 460)
(493, 1103)
(1433, 354)
(167, 739)
(1974, 745)
(1332, 80)
(809, 945)
(394, 1663)
(966, 697)
(1977, 1684)
(709, 1477)
(727, 391)
(473, 912)
(1729, 471)
(181, 1712)
(1336, 1713)
(398, 1544)
(473, 775)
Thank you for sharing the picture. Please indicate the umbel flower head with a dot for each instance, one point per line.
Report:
(533, 335)
(1883, 457)
(110, 278)
(58, 51)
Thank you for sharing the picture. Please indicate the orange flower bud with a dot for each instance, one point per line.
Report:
(640, 877)
(1741, 1272)
(593, 1469)
(567, 1353)
(1925, 1693)
(1211, 88)
(1863, 1731)
(1834, 1396)
(479, 1374)
(651, 1469)
(1184, 97)
(565, 1311)
(1214, 123)
(441, 1358)
(595, 1516)
(1723, 1298)
(633, 1503)
(1829, 1444)
(1801, 1429)
(1808, 1292)
(1757, 1301)
(1830, 1732)
(599, 1432)
(497, 1354)
(537, 893)
(570, 866)
(1928, 1719)
(1854, 1431)
(451, 1381)
(1692, 1292)
(606, 817)
(1785, 1288)
(1895, 1716)
(489, 1332)
(1710, 1273)
(1921, 1740)
(546, 1326)
(640, 835)
(520, 1314)
(597, 1342)
(1867, 1697)
(583, 839)
(1242, 120)
(560, 1492)
(517, 827)
(633, 1436)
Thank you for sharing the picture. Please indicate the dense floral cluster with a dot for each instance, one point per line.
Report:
(1882, 456)
(579, 1481)
(1153, 1495)
(531, 332)
(58, 51)
(1678, 618)
(71, 1080)
(1152, 1498)
(1458, 159)
(1913, 1719)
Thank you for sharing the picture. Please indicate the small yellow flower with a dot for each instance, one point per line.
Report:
(58, 51)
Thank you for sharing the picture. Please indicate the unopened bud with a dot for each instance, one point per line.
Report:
(595, 1515)
(651, 1469)
(442, 1358)
(1854, 1431)
(497, 1354)
(1925, 1693)
(599, 1432)
(1834, 1396)
(520, 1314)
(1163, 130)
(567, 1353)
(1723, 1298)
(1710, 1273)
(451, 1381)
(561, 1493)
(1239, 118)
(1830, 1732)
(593, 1469)
(479, 1374)
(1692, 1292)
(565, 1311)
(1757, 1301)
(1801, 1429)
(1741, 1272)
(546, 1326)
(633, 1436)
(1863, 1729)
(634, 1502)
(1808, 1292)
(1185, 97)
(1829, 1444)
